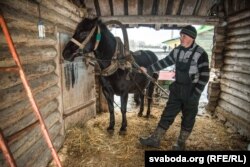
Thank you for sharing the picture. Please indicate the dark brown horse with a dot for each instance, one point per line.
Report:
(92, 35)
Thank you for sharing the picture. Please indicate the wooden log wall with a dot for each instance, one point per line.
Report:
(234, 100)
(41, 64)
(216, 63)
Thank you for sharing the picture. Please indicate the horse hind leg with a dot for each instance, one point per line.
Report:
(150, 94)
(137, 98)
(141, 105)
(110, 128)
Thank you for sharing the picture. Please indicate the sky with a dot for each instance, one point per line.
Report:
(148, 35)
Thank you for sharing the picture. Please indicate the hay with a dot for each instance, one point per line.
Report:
(90, 145)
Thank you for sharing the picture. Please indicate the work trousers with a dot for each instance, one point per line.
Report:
(181, 98)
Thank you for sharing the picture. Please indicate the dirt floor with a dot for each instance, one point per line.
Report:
(90, 145)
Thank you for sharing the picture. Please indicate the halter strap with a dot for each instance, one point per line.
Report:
(83, 44)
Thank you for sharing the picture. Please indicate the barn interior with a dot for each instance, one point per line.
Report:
(68, 93)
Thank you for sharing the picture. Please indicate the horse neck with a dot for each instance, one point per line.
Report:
(106, 48)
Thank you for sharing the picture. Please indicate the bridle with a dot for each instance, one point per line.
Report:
(87, 39)
(115, 62)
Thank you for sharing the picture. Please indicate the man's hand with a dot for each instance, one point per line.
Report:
(143, 69)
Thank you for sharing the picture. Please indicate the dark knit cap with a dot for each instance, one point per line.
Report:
(190, 31)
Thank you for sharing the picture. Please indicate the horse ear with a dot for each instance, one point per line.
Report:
(99, 21)
(95, 19)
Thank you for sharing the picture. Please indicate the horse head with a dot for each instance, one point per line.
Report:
(84, 39)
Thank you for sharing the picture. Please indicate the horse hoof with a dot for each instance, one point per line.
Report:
(110, 130)
(139, 114)
(147, 116)
(122, 132)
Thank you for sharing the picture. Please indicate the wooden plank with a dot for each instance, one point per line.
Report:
(242, 104)
(234, 92)
(237, 61)
(184, 20)
(45, 156)
(25, 38)
(205, 5)
(176, 6)
(238, 53)
(236, 68)
(161, 11)
(238, 31)
(42, 146)
(232, 109)
(23, 108)
(28, 55)
(26, 140)
(81, 116)
(104, 7)
(80, 88)
(17, 93)
(47, 14)
(238, 77)
(63, 10)
(90, 8)
(188, 7)
(197, 7)
(73, 110)
(242, 125)
(32, 71)
(33, 150)
(71, 7)
(147, 7)
(239, 24)
(133, 7)
(236, 46)
(118, 7)
(162, 7)
(239, 16)
(46, 110)
(235, 85)
(23, 22)
(241, 38)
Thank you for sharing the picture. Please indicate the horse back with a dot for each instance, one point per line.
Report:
(145, 57)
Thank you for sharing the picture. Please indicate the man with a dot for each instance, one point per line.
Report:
(192, 74)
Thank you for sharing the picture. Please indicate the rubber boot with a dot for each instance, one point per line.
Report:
(154, 139)
(180, 144)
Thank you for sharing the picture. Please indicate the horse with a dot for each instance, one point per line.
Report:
(93, 36)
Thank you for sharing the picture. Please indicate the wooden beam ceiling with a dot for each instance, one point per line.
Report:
(182, 20)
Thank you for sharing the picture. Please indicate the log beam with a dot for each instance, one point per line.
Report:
(163, 19)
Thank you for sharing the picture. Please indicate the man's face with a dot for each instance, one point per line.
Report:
(186, 41)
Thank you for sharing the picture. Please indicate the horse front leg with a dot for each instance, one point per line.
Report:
(110, 128)
(141, 105)
(124, 101)
(110, 99)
